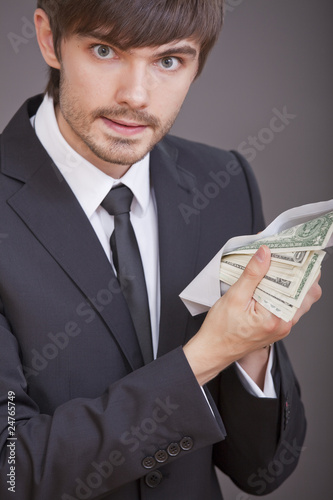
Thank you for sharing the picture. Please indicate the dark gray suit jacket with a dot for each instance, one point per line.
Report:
(91, 420)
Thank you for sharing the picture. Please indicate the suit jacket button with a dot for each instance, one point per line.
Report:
(173, 449)
(149, 462)
(153, 479)
(186, 443)
(161, 456)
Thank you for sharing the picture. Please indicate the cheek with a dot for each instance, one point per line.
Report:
(82, 80)
(169, 99)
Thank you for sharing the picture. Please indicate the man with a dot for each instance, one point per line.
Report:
(97, 408)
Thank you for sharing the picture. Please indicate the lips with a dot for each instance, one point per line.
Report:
(127, 124)
(123, 127)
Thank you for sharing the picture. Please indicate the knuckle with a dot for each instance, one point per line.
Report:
(250, 272)
(317, 292)
(271, 323)
(283, 331)
(286, 328)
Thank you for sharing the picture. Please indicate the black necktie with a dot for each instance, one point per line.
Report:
(127, 261)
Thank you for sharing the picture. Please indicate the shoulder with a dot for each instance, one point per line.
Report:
(190, 150)
(223, 180)
(19, 127)
(201, 159)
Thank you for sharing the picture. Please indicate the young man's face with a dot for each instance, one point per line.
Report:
(116, 105)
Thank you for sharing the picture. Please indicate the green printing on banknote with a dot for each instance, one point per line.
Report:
(312, 234)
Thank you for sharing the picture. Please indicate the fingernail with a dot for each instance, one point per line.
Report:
(260, 254)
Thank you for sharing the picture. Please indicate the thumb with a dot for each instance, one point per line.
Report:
(254, 272)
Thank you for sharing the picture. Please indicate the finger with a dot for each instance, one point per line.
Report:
(254, 272)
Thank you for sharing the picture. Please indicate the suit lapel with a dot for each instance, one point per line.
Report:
(50, 210)
(178, 241)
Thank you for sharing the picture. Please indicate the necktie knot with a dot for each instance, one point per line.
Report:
(118, 200)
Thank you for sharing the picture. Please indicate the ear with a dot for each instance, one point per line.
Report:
(45, 38)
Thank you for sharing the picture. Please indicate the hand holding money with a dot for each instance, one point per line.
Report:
(236, 326)
(296, 258)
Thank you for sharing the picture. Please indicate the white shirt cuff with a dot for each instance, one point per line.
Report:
(203, 392)
(252, 387)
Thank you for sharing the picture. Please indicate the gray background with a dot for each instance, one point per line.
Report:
(272, 53)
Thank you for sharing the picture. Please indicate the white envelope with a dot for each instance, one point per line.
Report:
(206, 288)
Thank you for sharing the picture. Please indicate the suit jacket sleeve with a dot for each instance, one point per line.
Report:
(107, 437)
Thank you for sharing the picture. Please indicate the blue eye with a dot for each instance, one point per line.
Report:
(103, 52)
(171, 63)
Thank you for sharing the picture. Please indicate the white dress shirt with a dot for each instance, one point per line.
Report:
(90, 186)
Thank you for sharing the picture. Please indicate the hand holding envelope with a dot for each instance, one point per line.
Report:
(296, 238)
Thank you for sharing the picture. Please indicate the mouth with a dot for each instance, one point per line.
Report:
(123, 127)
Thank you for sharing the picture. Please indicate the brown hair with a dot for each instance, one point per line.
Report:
(133, 24)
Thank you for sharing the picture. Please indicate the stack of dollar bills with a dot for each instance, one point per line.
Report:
(296, 257)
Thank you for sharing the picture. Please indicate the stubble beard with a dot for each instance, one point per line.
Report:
(110, 149)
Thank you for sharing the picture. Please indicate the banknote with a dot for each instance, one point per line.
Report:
(311, 235)
(277, 279)
(296, 261)
(274, 301)
(294, 258)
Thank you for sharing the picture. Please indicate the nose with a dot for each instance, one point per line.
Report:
(134, 85)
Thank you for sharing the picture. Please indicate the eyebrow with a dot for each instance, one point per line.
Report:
(182, 50)
(178, 50)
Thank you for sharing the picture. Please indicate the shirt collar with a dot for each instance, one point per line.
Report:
(89, 184)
